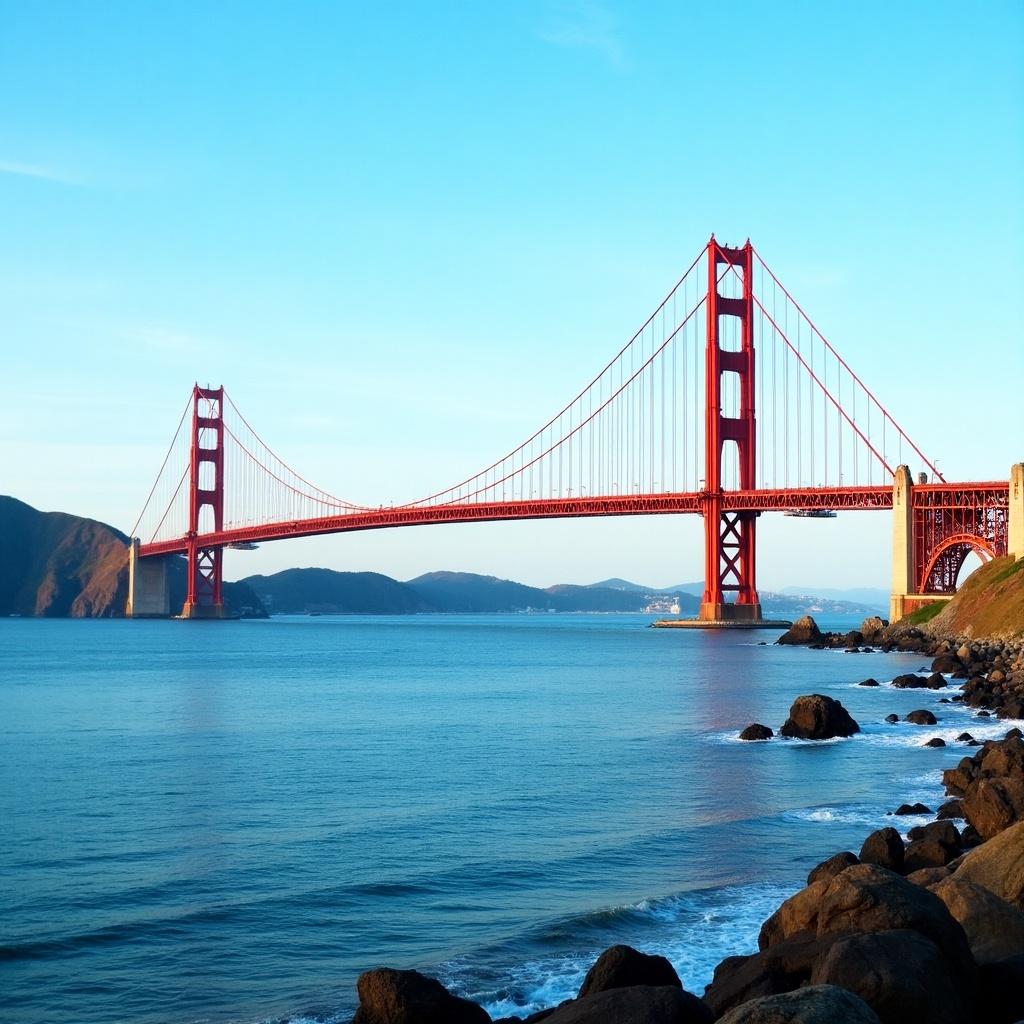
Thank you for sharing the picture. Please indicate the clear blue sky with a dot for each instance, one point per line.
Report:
(403, 234)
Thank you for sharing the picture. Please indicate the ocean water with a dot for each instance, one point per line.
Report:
(227, 822)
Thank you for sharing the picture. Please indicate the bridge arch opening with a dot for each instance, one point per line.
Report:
(953, 561)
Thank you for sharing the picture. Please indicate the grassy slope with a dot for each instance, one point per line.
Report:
(990, 603)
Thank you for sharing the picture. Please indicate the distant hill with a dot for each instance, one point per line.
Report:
(323, 590)
(54, 564)
(873, 596)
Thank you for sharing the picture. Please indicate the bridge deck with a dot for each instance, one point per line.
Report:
(868, 498)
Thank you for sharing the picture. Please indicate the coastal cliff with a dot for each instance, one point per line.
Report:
(57, 565)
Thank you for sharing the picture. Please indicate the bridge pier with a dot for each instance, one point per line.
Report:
(1015, 522)
(149, 594)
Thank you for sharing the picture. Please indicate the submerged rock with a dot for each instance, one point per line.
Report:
(922, 717)
(756, 731)
(817, 717)
(868, 682)
(935, 741)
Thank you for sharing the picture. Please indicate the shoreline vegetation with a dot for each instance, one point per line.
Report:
(922, 929)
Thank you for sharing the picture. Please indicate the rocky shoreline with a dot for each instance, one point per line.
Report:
(927, 930)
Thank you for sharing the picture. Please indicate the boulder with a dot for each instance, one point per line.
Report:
(892, 719)
(797, 914)
(803, 631)
(1000, 985)
(964, 737)
(998, 865)
(922, 717)
(947, 663)
(756, 731)
(388, 996)
(868, 898)
(868, 682)
(910, 681)
(935, 741)
(817, 1004)
(992, 805)
(817, 717)
(622, 966)
(994, 929)
(931, 846)
(917, 808)
(884, 848)
(833, 866)
(900, 974)
(950, 809)
(935, 681)
(873, 629)
(928, 876)
(784, 967)
(638, 1004)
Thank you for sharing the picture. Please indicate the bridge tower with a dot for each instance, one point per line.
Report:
(729, 537)
(204, 572)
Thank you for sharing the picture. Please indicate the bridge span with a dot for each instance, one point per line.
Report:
(727, 403)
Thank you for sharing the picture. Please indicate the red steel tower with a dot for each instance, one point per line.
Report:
(203, 598)
(729, 537)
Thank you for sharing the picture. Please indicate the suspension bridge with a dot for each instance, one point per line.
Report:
(727, 403)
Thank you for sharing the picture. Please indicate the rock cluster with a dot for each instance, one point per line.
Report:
(924, 931)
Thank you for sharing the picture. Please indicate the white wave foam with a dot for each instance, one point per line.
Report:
(728, 921)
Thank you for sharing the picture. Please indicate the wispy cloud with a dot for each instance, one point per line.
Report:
(585, 25)
(35, 171)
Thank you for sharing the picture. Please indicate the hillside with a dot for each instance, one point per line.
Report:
(53, 564)
(323, 590)
(989, 604)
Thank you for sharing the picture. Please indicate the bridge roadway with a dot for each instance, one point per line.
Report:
(866, 498)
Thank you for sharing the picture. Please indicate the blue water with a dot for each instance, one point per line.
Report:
(228, 821)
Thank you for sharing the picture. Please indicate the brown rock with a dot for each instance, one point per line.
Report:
(817, 717)
(638, 1004)
(922, 717)
(797, 914)
(884, 848)
(756, 731)
(927, 877)
(868, 898)
(995, 930)
(818, 1004)
(992, 805)
(387, 996)
(998, 865)
(803, 631)
(830, 868)
(900, 974)
(622, 966)
(784, 967)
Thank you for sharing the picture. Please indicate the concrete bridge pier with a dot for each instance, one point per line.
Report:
(1015, 523)
(148, 586)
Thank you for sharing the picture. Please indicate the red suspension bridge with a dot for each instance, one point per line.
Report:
(727, 403)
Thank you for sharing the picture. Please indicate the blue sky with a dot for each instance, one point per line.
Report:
(403, 234)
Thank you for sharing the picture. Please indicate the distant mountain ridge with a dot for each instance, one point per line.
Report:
(327, 591)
